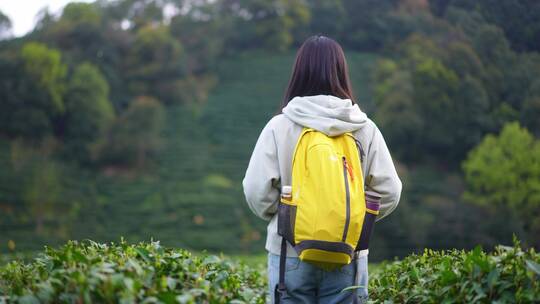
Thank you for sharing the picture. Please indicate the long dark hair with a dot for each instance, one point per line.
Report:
(320, 68)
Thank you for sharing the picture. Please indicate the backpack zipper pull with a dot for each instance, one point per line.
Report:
(348, 167)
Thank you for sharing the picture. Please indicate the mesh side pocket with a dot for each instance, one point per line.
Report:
(372, 210)
(367, 230)
(286, 219)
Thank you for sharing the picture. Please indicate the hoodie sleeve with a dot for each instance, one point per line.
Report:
(381, 175)
(262, 176)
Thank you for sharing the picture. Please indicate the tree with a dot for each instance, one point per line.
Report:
(507, 77)
(434, 88)
(155, 65)
(396, 113)
(531, 108)
(135, 136)
(5, 26)
(78, 21)
(141, 13)
(503, 172)
(369, 25)
(79, 30)
(273, 25)
(86, 32)
(428, 109)
(524, 29)
(200, 30)
(88, 110)
(328, 17)
(32, 84)
(44, 66)
(44, 19)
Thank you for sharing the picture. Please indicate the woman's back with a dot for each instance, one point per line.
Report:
(318, 97)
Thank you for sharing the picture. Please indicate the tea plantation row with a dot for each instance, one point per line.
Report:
(90, 272)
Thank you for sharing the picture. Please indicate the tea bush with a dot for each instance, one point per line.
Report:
(508, 275)
(89, 272)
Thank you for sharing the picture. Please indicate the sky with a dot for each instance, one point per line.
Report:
(23, 12)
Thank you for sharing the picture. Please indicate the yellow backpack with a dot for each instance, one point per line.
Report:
(323, 216)
(323, 212)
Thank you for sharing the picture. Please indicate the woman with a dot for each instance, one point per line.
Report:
(318, 96)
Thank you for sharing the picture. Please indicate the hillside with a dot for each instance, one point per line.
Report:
(192, 196)
(250, 92)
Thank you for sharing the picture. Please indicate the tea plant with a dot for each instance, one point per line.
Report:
(89, 272)
(508, 275)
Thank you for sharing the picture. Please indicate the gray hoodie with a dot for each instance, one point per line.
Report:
(270, 163)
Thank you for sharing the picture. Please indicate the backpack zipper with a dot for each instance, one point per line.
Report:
(347, 200)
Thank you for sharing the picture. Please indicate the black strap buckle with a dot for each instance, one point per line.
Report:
(279, 292)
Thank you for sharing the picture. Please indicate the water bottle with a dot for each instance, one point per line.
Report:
(285, 214)
(286, 193)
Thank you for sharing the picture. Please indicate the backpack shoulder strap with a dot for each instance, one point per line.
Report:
(361, 151)
(280, 289)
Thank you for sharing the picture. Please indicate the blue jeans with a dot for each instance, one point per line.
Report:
(309, 284)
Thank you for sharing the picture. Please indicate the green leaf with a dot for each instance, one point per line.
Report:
(145, 254)
(136, 266)
(354, 287)
(535, 267)
(78, 257)
(492, 278)
(211, 259)
(167, 297)
(28, 299)
(185, 298)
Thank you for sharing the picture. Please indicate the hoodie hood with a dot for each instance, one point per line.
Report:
(325, 113)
